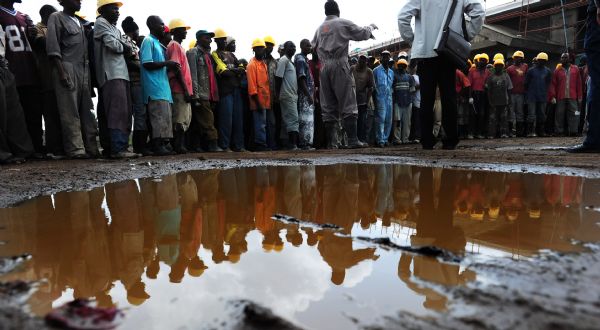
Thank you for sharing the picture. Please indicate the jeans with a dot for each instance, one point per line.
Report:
(402, 129)
(568, 109)
(478, 117)
(231, 122)
(536, 112)
(384, 119)
(119, 141)
(140, 116)
(362, 122)
(516, 108)
(264, 128)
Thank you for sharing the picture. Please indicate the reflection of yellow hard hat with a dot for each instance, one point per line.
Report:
(477, 216)
(519, 53)
(498, 57)
(494, 212)
(258, 43)
(484, 56)
(278, 247)
(542, 56)
(234, 258)
(512, 215)
(268, 247)
(178, 23)
(220, 33)
(270, 40)
(102, 3)
(402, 61)
(499, 62)
(535, 214)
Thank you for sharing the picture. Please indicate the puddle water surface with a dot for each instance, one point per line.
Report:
(175, 250)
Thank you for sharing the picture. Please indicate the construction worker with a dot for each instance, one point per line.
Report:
(517, 73)
(478, 98)
(403, 86)
(181, 85)
(306, 102)
(498, 88)
(205, 94)
(259, 91)
(113, 80)
(537, 85)
(272, 67)
(67, 47)
(384, 81)
(338, 99)
(286, 89)
(463, 91)
(591, 143)
(566, 92)
(155, 85)
(230, 119)
(365, 83)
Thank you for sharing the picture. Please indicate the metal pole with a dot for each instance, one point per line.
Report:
(562, 7)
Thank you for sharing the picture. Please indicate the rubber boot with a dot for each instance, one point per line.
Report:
(331, 135)
(140, 143)
(531, 130)
(293, 138)
(541, 130)
(178, 141)
(213, 146)
(350, 126)
(159, 149)
(520, 129)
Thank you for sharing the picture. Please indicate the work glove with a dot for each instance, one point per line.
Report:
(471, 100)
(554, 100)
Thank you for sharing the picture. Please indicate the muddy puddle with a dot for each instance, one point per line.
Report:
(175, 251)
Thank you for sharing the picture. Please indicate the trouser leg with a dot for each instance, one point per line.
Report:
(482, 113)
(492, 122)
(389, 109)
(271, 130)
(448, 95)
(415, 130)
(559, 117)
(54, 144)
(260, 124)
(89, 124)
(362, 122)
(30, 98)
(289, 114)
(503, 120)
(103, 130)
(406, 114)
(380, 122)
(573, 113)
(427, 74)
(225, 120)
(14, 137)
(593, 116)
(237, 118)
(397, 124)
(68, 108)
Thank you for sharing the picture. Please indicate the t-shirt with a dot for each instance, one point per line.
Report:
(478, 79)
(176, 53)
(498, 87)
(303, 70)
(287, 72)
(461, 81)
(517, 77)
(18, 50)
(403, 83)
(155, 83)
(364, 80)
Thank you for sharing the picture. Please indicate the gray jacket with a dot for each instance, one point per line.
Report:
(430, 16)
(199, 71)
(108, 53)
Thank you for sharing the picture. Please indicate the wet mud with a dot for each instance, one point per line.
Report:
(380, 245)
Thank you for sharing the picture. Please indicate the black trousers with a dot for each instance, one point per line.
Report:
(31, 101)
(433, 73)
(53, 132)
(14, 138)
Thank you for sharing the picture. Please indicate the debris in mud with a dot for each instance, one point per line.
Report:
(82, 314)
(7, 265)
(251, 316)
(427, 251)
(291, 220)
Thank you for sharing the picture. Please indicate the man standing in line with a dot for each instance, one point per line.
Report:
(286, 89)
(415, 130)
(113, 79)
(566, 93)
(478, 99)
(155, 85)
(537, 83)
(181, 85)
(67, 48)
(18, 31)
(498, 87)
(384, 81)
(54, 145)
(205, 94)
(592, 49)
(403, 86)
(272, 67)
(363, 77)
(463, 92)
(517, 73)
(338, 96)
(260, 98)
(306, 102)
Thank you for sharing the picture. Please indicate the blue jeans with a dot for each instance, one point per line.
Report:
(264, 128)
(383, 119)
(231, 121)
(119, 141)
(592, 46)
(140, 118)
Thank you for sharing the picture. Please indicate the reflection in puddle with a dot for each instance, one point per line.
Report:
(176, 250)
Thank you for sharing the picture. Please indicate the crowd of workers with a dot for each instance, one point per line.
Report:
(168, 100)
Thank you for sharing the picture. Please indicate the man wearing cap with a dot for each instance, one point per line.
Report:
(181, 85)
(259, 92)
(566, 92)
(205, 94)
(67, 46)
(498, 87)
(403, 86)
(384, 81)
(286, 88)
(478, 99)
(517, 73)
(155, 85)
(114, 108)
(272, 67)
(363, 77)
(338, 98)
(537, 84)
(306, 102)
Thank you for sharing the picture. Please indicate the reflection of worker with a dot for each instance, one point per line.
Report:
(136, 294)
(340, 195)
(168, 219)
(337, 251)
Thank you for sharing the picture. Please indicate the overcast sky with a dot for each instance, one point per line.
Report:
(284, 20)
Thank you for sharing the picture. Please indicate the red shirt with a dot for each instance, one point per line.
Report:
(176, 53)
(19, 54)
(461, 81)
(517, 77)
(478, 79)
(558, 88)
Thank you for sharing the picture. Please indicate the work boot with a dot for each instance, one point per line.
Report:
(331, 138)
(140, 143)
(531, 130)
(213, 146)
(350, 127)
(178, 141)
(541, 130)
(159, 148)
(520, 129)
(293, 138)
(511, 130)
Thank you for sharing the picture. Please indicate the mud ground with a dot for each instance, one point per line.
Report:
(550, 291)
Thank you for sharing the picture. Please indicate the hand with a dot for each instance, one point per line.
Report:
(471, 100)
(374, 27)
(553, 100)
(127, 50)
(66, 81)
(188, 98)
(173, 66)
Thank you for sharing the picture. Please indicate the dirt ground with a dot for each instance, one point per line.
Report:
(550, 291)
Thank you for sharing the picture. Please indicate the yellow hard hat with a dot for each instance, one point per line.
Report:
(258, 43)
(193, 44)
(484, 56)
(269, 39)
(78, 14)
(178, 23)
(220, 33)
(498, 61)
(402, 61)
(108, 2)
(519, 53)
(498, 57)
(477, 57)
(542, 56)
